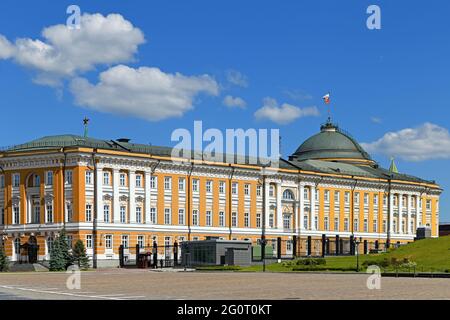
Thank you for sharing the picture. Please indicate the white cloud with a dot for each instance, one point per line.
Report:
(6, 48)
(65, 52)
(283, 114)
(148, 93)
(376, 120)
(237, 78)
(297, 95)
(231, 102)
(428, 141)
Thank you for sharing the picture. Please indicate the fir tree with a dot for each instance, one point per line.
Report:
(79, 255)
(60, 257)
(3, 260)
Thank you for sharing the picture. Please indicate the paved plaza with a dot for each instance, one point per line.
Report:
(120, 284)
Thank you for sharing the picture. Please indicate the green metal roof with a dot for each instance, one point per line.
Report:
(296, 163)
(331, 142)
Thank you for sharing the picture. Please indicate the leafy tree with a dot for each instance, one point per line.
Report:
(3, 260)
(60, 257)
(79, 255)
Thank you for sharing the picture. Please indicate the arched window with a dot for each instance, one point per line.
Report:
(288, 195)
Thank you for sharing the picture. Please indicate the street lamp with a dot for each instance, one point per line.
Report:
(357, 252)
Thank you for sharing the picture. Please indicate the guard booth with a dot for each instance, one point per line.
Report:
(215, 252)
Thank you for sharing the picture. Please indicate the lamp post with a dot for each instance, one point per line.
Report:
(357, 252)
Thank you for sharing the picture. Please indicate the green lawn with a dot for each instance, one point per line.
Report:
(428, 255)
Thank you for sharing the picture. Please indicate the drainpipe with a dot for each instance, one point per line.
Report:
(188, 213)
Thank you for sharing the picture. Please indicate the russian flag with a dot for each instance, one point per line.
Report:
(326, 98)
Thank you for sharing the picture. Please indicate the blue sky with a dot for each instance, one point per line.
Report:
(390, 80)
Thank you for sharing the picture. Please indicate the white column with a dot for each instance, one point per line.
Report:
(267, 204)
(302, 206)
(312, 197)
(116, 202)
(418, 212)
(391, 213)
(99, 183)
(132, 196)
(408, 221)
(147, 196)
(400, 213)
(279, 208)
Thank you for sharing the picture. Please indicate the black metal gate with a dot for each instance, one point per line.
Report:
(165, 256)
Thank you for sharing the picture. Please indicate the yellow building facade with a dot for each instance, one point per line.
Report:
(137, 194)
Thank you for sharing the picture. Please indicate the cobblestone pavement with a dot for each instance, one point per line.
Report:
(119, 284)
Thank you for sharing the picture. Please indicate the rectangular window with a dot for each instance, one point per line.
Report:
(2, 181)
(16, 180)
(16, 215)
(2, 215)
(88, 212)
(69, 212)
(271, 191)
(152, 182)
(305, 222)
(384, 225)
(89, 241)
(316, 222)
(122, 180)
(106, 178)
(306, 193)
(345, 224)
(337, 197)
(356, 195)
(375, 226)
(258, 191)
(108, 241)
(140, 241)
(247, 220)
(326, 196)
(271, 222)
(49, 178)
(347, 197)
(222, 219)
(195, 217)
(375, 199)
(124, 241)
(181, 219)
(384, 200)
(138, 215)
(208, 186)
(355, 225)
(258, 220)
(167, 216)
(106, 213)
(153, 215)
(366, 227)
(428, 204)
(49, 209)
(138, 181)
(123, 214)
(326, 223)
(234, 219)
(168, 183)
(317, 193)
(195, 185)
(286, 221)
(234, 188)
(366, 199)
(181, 184)
(69, 175)
(88, 177)
(246, 189)
(222, 187)
(208, 218)
(336, 224)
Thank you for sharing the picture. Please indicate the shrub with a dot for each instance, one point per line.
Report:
(3, 260)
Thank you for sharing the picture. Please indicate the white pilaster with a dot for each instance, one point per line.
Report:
(400, 213)
(132, 196)
(99, 183)
(391, 213)
(267, 204)
(312, 197)
(279, 208)
(147, 196)
(418, 212)
(408, 221)
(302, 206)
(116, 202)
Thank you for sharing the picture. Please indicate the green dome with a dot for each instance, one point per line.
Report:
(331, 143)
